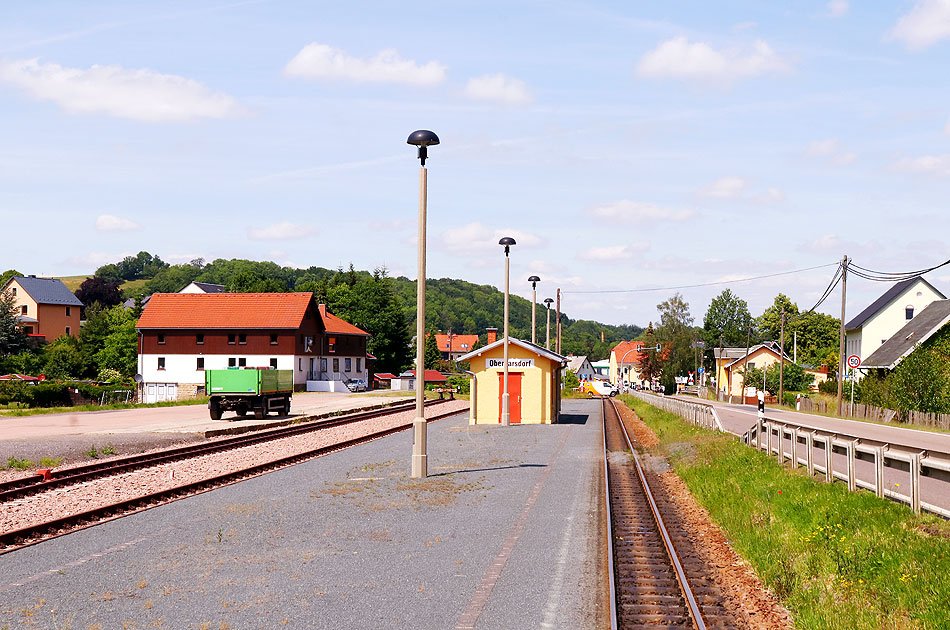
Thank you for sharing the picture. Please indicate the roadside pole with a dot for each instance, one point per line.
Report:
(781, 367)
(844, 292)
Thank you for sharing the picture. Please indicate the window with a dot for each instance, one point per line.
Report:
(242, 362)
(161, 363)
(273, 363)
(200, 364)
(300, 365)
(242, 339)
(273, 340)
(67, 330)
(232, 339)
(330, 340)
(323, 365)
(909, 312)
(69, 311)
(200, 340)
(24, 309)
(336, 365)
(348, 364)
(464, 346)
(161, 339)
(359, 364)
(14, 290)
(751, 364)
(232, 362)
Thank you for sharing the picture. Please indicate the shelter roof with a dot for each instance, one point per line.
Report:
(431, 376)
(918, 330)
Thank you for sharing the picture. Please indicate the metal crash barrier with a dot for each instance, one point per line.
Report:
(815, 448)
(699, 414)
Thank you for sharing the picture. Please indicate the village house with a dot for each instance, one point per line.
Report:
(183, 334)
(902, 344)
(453, 346)
(46, 309)
(625, 362)
(730, 367)
(581, 366)
(886, 315)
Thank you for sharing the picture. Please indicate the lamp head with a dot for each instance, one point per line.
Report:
(548, 301)
(534, 280)
(422, 139)
(507, 241)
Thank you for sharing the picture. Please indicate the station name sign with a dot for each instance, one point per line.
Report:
(512, 363)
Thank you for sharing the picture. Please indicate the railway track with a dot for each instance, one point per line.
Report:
(30, 535)
(656, 581)
(26, 486)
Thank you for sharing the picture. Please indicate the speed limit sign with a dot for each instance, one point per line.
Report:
(854, 361)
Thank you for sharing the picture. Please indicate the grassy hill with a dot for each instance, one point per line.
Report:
(72, 282)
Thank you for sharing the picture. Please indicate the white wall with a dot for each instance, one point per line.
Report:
(891, 318)
(181, 368)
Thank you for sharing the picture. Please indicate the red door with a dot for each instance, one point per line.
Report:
(514, 396)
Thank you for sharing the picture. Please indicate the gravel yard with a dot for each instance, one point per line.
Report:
(62, 502)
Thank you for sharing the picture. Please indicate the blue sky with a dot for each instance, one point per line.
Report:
(624, 145)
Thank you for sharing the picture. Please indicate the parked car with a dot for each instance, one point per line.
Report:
(599, 388)
(355, 384)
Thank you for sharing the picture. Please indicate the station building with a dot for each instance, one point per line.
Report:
(534, 383)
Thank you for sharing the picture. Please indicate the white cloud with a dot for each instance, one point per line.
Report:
(498, 87)
(626, 210)
(112, 223)
(614, 252)
(319, 61)
(837, 8)
(926, 24)
(137, 94)
(96, 259)
(283, 231)
(477, 239)
(832, 150)
(926, 164)
(677, 58)
(730, 187)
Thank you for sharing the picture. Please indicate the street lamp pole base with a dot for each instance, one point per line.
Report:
(505, 417)
(420, 459)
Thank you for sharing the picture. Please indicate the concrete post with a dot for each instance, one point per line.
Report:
(419, 454)
(829, 462)
(852, 481)
(505, 419)
(810, 453)
(915, 483)
(795, 447)
(879, 471)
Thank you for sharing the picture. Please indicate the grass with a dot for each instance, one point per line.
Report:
(73, 282)
(16, 412)
(21, 463)
(837, 560)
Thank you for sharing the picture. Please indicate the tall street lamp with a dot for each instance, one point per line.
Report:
(534, 280)
(547, 333)
(422, 139)
(507, 242)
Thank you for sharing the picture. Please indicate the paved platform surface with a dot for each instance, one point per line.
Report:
(504, 533)
(69, 435)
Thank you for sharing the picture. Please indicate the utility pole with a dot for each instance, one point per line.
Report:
(795, 347)
(844, 292)
(745, 367)
(557, 325)
(781, 367)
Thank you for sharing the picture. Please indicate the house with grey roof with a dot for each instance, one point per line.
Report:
(884, 317)
(918, 330)
(581, 366)
(203, 287)
(46, 309)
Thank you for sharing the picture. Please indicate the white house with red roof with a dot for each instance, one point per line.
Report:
(453, 346)
(183, 334)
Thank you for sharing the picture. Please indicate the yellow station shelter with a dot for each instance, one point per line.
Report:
(534, 383)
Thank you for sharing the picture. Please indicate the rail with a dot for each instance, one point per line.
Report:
(770, 435)
(697, 413)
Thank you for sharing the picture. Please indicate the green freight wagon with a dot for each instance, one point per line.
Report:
(257, 390)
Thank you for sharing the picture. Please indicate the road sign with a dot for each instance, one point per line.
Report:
(854, 361)
(658, 347)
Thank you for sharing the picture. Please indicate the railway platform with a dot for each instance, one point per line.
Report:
(505, 532)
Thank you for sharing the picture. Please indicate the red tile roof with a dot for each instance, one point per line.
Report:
(460, 343)
(225, 310)
(384, 376)
(630, 350)
(334, 324)
(432, 376)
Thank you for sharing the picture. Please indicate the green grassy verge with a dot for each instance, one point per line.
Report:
(11, 412)
(837, 560)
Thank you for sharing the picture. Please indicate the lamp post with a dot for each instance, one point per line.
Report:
(547, 333)
(422, 139)
(507, 242)
(620, 364)
(534, 280)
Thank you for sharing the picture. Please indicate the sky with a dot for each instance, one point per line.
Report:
(625, 146)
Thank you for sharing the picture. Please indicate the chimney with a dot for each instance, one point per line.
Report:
(601, 336)
(492, 335)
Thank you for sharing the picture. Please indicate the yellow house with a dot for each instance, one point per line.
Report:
(534, 383)
(761, 356)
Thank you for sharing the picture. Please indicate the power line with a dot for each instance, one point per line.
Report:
(891, 276)
(707, 284)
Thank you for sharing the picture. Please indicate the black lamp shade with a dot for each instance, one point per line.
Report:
(423, 138)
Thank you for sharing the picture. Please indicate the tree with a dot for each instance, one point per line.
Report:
(63, 359)
(570, 380)
(675, 334)
(12, 338)
(650, 360)
(98, 290)
(431, 353)
(6, 275)
(795, 378)
(769, 324)
(728, 320)
(120, 349)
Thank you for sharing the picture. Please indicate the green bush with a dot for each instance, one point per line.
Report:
(828, 387)
(460, 382)
(47, 394)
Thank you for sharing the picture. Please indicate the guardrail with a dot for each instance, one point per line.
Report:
(700, 414)
(770, 435)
